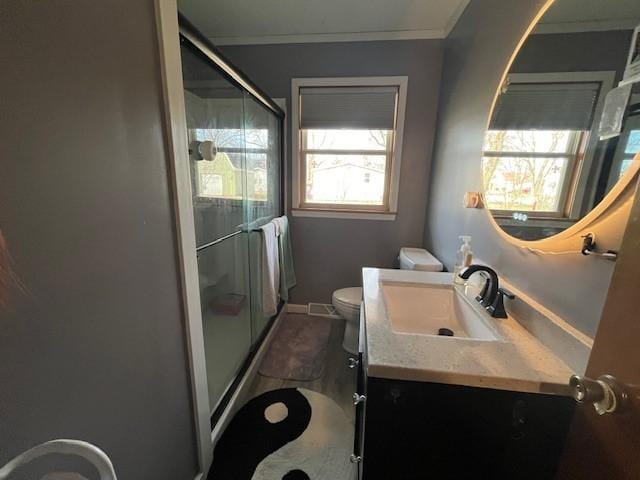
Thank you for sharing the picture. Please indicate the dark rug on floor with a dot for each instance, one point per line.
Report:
(251, 436)
(286, 434)
(298, 350)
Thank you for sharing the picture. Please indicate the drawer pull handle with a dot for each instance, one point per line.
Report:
(353, 362)
(357, 398)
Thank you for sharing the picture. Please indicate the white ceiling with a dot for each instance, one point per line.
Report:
(590, 15)
(292, 21)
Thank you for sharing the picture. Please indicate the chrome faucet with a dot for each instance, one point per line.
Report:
(491, 296)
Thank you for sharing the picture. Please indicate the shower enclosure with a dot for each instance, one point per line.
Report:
(235, 157)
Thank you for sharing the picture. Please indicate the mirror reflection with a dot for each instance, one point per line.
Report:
(544, 166)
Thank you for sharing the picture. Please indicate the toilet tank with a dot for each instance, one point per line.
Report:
(418, 259)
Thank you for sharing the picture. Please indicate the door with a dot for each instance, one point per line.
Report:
(262, 147)
(217, 156)
(608, 446)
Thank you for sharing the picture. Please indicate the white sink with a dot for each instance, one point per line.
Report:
(424, 309)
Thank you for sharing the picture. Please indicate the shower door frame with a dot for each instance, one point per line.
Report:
(172, 29)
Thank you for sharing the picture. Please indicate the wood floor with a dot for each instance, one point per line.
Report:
(337, 381)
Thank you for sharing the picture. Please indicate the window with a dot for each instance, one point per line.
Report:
(346, 167)
(347, 136)
(222, 176)
(631, 149)
(530, 170)
(210, 185)
(539, 139)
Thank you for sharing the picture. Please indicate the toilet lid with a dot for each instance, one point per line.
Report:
(349, 296)
(420, 259)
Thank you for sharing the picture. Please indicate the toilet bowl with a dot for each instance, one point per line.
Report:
(347, 301)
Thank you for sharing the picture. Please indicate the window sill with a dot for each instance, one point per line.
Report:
(351, 215)
(220, 201)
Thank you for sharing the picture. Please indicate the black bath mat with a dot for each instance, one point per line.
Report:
(250, 437)
(285, 434)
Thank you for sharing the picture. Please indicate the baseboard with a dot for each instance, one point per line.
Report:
(296, 308)
(322, 310)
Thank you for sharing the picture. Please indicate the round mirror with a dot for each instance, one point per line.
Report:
(547, 161)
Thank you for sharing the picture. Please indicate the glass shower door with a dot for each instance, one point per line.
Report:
(263, 145)
(215, 125)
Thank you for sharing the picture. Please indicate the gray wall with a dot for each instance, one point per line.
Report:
(330, 253)
(93, 348)
(476, 55)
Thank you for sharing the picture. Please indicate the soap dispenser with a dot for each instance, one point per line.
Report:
(463, 258)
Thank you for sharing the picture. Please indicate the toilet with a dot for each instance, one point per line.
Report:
(347, 301)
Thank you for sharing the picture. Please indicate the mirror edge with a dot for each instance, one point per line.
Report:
(555, 243)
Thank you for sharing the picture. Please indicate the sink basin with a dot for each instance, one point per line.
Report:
(424, 309)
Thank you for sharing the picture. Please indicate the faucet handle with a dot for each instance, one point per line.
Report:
(480, 298)
(506, 293)
(496, 309)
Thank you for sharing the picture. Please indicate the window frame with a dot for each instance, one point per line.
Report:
(575, 157)
(386, 211)
(303, 151)
(590, 156)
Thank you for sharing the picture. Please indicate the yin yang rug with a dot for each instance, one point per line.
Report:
(288, 434)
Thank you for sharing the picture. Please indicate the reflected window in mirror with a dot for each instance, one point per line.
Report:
(544, 166)
(621, 151)
(631, 149)
(530, 170)
(538, 142)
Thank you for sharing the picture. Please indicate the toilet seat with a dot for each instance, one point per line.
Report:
(348, 298)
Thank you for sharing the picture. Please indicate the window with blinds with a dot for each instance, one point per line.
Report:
(347, 137)
(355, 108)
(546, 106)
(536, 140)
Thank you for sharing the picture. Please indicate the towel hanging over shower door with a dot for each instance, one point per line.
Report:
(270, 267)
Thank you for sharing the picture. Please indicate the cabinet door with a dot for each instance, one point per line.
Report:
(360, 407)
(361, 389)
(415, 429)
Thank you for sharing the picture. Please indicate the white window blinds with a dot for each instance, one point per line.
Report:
(546, 106)
(371, 108)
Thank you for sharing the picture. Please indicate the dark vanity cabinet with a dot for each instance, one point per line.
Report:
(409, 430)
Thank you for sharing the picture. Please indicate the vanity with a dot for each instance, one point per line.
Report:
(491, 401)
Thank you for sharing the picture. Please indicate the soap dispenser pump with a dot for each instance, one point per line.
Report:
(464, 258)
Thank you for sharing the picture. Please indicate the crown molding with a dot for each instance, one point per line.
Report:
(431, 34)
(453, 21)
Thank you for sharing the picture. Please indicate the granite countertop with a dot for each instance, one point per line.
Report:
(520, 362)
